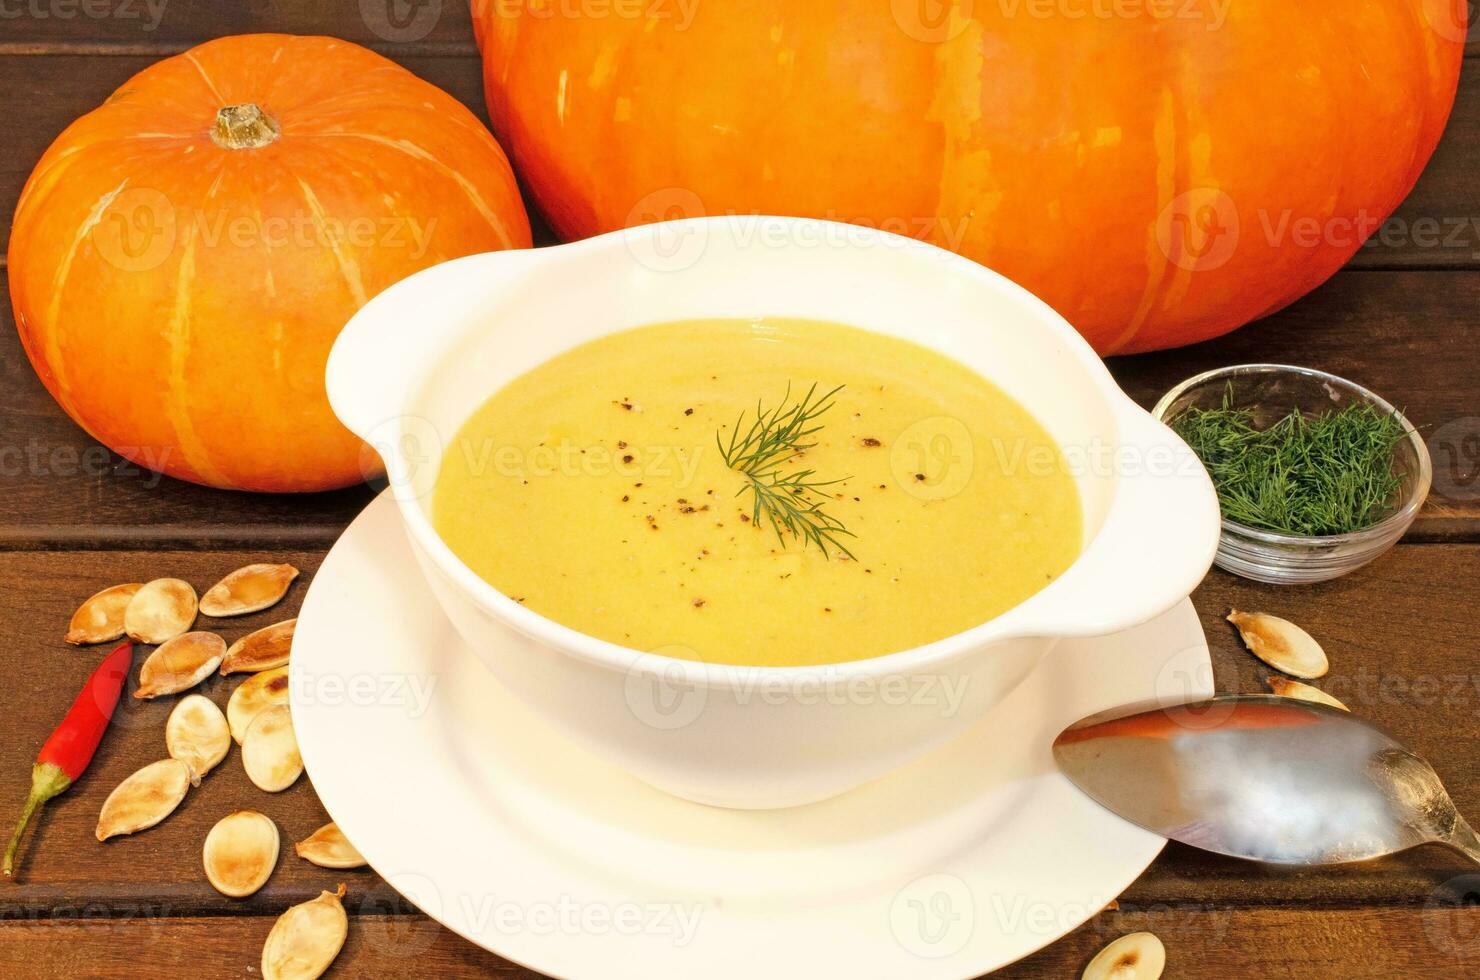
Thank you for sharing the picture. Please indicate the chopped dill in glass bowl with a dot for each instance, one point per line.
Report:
(1316, 476)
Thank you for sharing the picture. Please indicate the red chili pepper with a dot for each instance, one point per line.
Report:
(66, 754)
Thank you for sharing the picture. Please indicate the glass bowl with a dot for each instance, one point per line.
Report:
(1270, 391)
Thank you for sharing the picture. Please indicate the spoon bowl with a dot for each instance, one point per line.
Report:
(1267, 779)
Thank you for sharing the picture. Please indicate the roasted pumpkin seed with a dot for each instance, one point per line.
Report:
(270, 750)
(1287, 688)
(180, 664)
(267, 648)
(305, 939)
(329, 848)
(144, 799)
(197, 734)
(257, 692)
(248, 590)
(240, 853)
(1139, 956)
(1281, 644)
(161, 610)
(100, 618)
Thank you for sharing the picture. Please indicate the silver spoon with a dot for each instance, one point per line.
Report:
(1265, 778)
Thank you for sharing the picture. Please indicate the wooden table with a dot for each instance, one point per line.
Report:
(1404, 318)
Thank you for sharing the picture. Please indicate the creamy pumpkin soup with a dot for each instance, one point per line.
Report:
(775, 492)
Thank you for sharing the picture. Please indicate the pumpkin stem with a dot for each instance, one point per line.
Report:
(244, 127)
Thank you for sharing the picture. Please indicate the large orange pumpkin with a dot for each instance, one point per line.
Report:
(184, 255)
(1160, 171)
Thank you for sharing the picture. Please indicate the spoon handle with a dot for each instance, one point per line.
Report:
(1463, 839)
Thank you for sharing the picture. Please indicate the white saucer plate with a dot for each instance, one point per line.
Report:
(510, 835)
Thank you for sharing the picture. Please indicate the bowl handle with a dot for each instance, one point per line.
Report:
(386, 350)
(1154, 547)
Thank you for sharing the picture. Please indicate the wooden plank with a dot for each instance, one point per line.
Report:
(1396, 332)
(1400, 635)
(1216, 944)
(231, 948)
(1201, 943)
(162, 27)
(1437, 227)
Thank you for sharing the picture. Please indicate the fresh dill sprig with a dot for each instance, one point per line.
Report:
(789, 501)
(1330, 473)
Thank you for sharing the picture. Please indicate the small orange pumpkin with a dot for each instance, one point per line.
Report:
(184, 256)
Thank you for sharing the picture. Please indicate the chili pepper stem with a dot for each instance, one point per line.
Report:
(47, 781)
